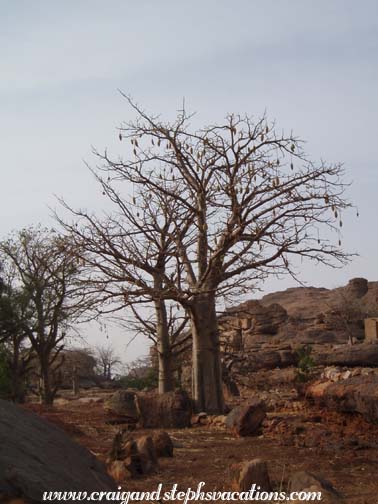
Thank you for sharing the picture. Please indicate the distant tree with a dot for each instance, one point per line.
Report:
(347, 314)
(43, 266)
(107, 360)
(139, 374)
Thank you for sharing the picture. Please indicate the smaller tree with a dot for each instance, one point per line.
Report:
(14, 309)
(43, 266)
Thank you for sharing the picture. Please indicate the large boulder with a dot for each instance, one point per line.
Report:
(169, 410)
(246, 420)
(122, 406)
(150, 410)
(36, 457)
(358, 394)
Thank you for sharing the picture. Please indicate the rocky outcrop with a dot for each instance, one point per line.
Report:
(364, 355)
(36, 456)
(358, 394)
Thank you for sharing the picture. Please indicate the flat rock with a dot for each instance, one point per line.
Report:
(36, 456)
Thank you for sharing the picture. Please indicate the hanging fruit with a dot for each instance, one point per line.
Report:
(120, 136)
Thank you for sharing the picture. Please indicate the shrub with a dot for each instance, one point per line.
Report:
(149, 380)
(305, 363)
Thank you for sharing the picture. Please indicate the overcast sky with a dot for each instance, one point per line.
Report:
(312, 65)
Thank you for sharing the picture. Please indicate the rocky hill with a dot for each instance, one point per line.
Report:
(301, 315)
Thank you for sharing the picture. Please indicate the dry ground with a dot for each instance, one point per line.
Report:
(342, 448)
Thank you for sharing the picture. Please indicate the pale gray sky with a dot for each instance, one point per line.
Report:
(312, 65)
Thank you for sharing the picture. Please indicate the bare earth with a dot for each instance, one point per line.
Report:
(341, 448)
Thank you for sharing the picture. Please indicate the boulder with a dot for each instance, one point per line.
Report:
(163, 444)
(308, 482)
(169, 410)
(358, 394)
(246, 420)
(357, 287)
(245, 474)
(36, 456)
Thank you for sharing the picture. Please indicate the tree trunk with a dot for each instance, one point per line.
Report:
(207, 373)
(46, 391)
(166, 382)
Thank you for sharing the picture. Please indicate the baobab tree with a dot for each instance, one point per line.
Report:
(253, 203)
(107, 360)
(43, 265)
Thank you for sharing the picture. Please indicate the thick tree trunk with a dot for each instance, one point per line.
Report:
(166, 381)
(207, 373)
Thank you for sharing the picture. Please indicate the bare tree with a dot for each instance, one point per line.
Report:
(107, 360)
(347, 313)
(128, 256)
(250, 202)
(44, 266)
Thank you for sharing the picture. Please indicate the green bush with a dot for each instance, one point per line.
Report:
(148, 381)
(305, 363)
(5, 375)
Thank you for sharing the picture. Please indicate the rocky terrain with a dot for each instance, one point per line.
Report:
(296, 418)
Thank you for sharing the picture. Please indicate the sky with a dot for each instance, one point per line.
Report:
(312, 66)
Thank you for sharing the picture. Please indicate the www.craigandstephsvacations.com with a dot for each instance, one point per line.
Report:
(189, 495)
